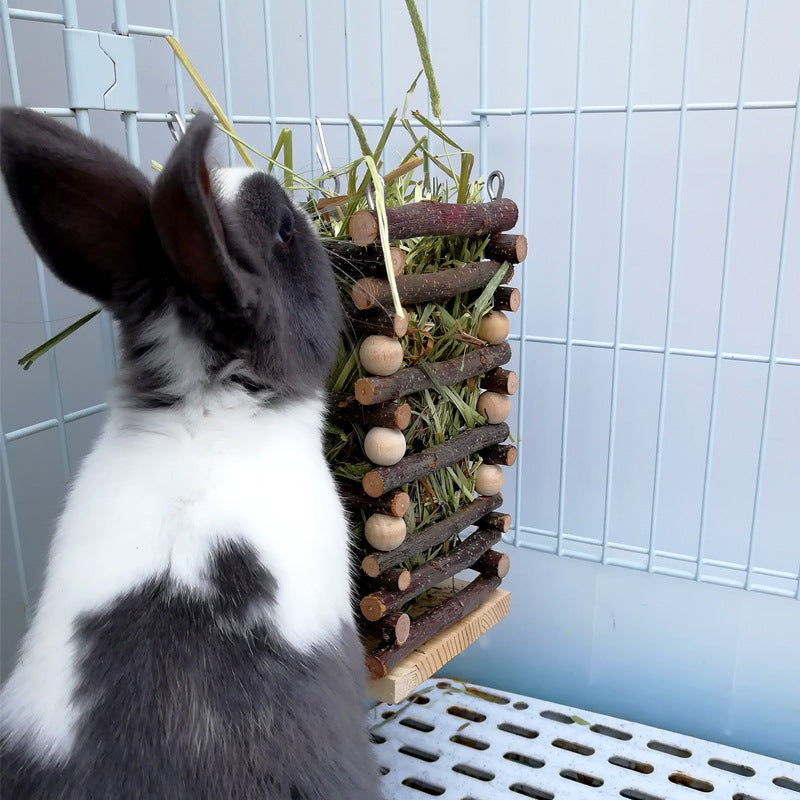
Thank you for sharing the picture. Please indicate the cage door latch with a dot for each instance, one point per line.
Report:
(101, 70)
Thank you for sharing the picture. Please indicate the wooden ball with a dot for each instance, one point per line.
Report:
(381, 355)
(494, 327)
(384, 532)
(494, 406)
(489, 479)
(384, 446)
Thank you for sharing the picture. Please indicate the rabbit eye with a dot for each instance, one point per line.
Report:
(285, 226)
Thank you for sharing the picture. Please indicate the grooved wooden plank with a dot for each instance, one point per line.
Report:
(431, 656)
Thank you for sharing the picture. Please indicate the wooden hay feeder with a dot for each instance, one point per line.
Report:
(410, 479)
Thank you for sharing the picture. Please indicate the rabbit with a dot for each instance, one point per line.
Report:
(194, 637)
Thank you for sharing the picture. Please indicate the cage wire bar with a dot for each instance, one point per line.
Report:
(558, 540)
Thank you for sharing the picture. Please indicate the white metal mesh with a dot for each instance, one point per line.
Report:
(659, 432)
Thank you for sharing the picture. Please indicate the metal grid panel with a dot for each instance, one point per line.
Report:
(652, 549)
(460, 741)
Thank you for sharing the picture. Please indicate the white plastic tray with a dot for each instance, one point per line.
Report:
(464, 742)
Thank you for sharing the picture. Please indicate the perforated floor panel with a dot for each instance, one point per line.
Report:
(464, 742)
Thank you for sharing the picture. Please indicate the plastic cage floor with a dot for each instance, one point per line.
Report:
(464, 742)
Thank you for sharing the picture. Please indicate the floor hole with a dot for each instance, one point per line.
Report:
(520, 706)
(736, 769)
(518, 730)
(443, 685)
(384, 770)
(604, 730)
(420, 699)
(787, 783)
(423, 786)
(415, 752)
(466, 713)
(669, 749)
(473, 772)
(742, 796)
(376, 739)
(635, 794)
(475, 744)
(488, 696)
(528, 761)
(530, 791)
(556, 717)
(416, 724)
(574, 747)
(629, 763)
(388, 714)
(581, 777)
(682, 779)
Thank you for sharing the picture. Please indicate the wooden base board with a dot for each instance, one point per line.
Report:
(431, 656)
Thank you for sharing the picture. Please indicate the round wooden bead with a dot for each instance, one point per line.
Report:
(494, 327)
(384, 532)
(384, 446)
(489, 479)
(381, 355)
(494, 406)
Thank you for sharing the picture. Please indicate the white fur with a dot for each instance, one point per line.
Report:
(226, 182)
(159, 491)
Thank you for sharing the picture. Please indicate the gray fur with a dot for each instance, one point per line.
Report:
(186, 696)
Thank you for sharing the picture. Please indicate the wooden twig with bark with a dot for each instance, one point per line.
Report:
(428, 218)
(380, 602)
(408, 380)
(434, 535)
(383, 479)
(384, 658)
(424, 287)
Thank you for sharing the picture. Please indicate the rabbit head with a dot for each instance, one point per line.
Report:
(212, 275)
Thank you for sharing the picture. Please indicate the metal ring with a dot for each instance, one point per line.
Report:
(175, 125)
(496, 177)
(335, 179)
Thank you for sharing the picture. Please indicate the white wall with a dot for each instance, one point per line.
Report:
(649, 227)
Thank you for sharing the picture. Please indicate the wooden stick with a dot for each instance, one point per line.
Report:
(428, 218)
(421, 288)
(354, 260)
(380, 480)
(395, 579)
(382, 321)
(503, 381)
(394, 628)
(494, 563)
(444, 373)
(503, 454)
(394, 503)
(507, 298)
(374, 605)
(434, 535)
(497, 522)
(511, 247)
(432, 622)
(385, 415)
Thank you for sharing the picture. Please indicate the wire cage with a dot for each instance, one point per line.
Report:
(653, 149)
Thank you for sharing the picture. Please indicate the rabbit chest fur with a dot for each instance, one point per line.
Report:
(194, 636)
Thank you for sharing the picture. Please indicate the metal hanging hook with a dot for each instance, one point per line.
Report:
(369, 196)
(495, 184)
(175, 125)
(323, 157)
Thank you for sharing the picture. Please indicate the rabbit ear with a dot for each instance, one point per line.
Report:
(85, 209)
(185, 214)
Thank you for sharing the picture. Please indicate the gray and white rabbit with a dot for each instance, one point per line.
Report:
(194, 637)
